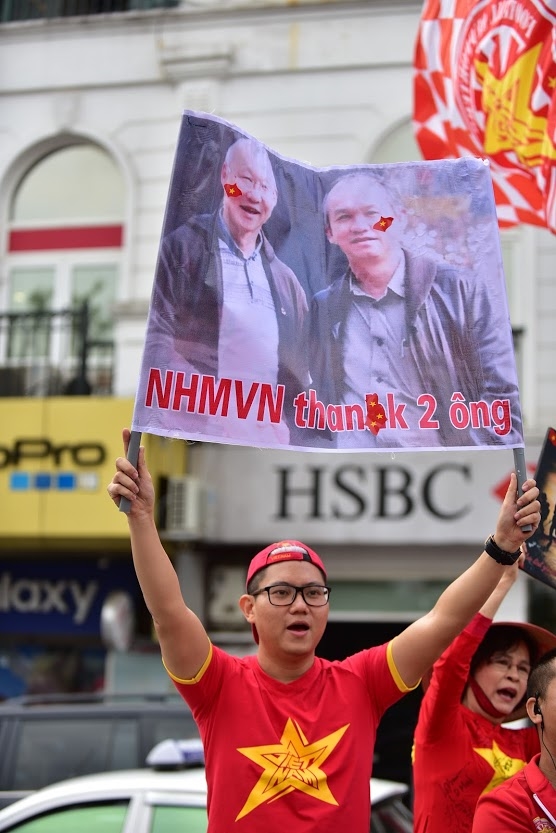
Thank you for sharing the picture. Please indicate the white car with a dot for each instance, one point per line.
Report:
(157, 799)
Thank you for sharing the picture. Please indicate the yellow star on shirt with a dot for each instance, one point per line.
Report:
(502, 764)
(292, 764)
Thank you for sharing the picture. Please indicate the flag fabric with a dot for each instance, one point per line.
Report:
(232, 190)
(376, 414)
(339, 308)
(384, 223)
(484, 84)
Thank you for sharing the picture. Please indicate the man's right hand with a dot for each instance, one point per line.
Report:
(516, 513)
(133, 483)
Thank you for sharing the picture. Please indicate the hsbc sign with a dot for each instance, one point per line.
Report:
(367, 498)
(351, 491)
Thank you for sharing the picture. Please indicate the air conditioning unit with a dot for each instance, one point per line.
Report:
(185, 508)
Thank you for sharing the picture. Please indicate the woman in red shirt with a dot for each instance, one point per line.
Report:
(461, 747)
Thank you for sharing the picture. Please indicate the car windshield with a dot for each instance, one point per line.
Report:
(52, 750)
(110, 817)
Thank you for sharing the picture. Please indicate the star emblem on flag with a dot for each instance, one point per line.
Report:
(232, 190)
(384, 223)
(376, 415)
(484, 86)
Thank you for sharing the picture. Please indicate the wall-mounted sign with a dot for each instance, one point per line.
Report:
(57, 454)
(360, 498)
(23, 449)
(60, 597)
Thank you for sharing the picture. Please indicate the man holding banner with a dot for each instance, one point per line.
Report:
(414, 337)
(288, 736)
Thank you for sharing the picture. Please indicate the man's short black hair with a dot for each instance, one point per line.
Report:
(542, 675)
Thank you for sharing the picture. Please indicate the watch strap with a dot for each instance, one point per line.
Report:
(501, 556)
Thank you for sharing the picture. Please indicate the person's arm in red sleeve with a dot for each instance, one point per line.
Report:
(451, 672)
(445, 688)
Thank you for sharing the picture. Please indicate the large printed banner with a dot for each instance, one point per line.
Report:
(340, 308)
(484, 81)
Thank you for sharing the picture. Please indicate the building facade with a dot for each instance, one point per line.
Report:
(91, 98)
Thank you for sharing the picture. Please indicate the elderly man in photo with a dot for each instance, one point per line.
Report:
(224, 305)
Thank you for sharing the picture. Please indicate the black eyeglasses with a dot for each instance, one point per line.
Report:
(281, 595)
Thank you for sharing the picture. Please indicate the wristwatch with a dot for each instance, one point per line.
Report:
(501, 556)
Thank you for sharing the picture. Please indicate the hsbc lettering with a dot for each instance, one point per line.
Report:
(351, 492)
(69, 598)
(41, 448)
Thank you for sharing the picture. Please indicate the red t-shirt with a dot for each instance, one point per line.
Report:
(457, 754)
(524, 804)
(290, 757)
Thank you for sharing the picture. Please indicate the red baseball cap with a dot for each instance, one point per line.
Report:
(283, 551)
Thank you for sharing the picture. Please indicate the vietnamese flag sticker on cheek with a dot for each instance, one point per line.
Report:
(383, 223)
(232, 190)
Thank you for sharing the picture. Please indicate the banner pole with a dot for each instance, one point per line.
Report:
(521, 474)
(132, 456)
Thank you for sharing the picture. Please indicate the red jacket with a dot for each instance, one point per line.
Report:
(525, 803)
(457, 754)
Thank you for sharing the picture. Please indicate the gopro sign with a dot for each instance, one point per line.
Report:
(41, 448)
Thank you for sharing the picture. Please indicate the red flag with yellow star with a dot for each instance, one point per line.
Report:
(232, 190)
(484, 83)
(376, 414)
(384, 223)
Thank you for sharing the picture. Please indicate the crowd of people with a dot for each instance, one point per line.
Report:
(289, 736)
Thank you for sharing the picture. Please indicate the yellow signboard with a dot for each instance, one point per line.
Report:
(57, 457)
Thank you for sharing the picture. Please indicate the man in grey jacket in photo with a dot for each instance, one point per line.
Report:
(416, 331)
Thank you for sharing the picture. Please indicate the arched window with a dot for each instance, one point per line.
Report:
(65, 238)
(398, 145)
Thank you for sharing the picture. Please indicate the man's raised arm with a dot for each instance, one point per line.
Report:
(422, 642)
(183, 640)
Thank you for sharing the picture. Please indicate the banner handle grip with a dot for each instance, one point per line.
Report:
(132, 456)
(521, 474)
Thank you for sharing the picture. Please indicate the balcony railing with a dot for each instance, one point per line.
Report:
(14, 10)
(50, 353)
